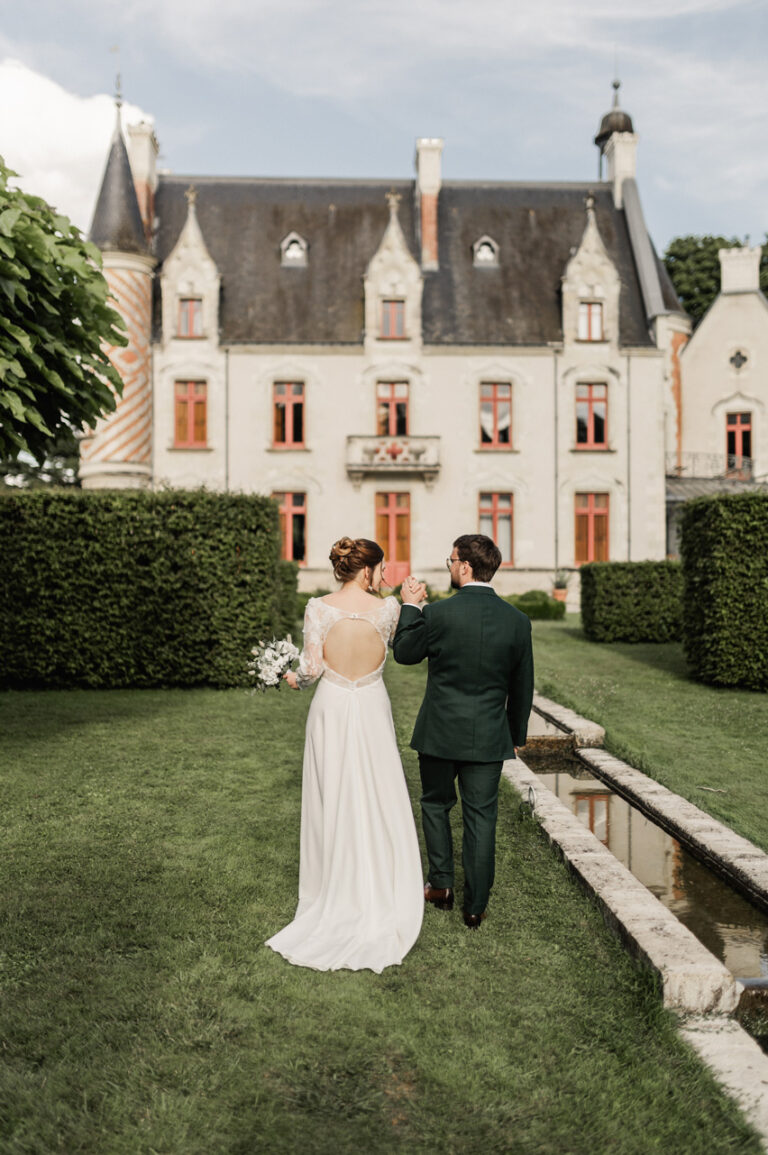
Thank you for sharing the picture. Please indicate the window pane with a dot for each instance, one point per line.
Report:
(486, 524)
(486, 422)
(279, 390)
(486, 499)
(581, 545)
(601, 538)
(598, 418)
(582, 810)
(382, 420)
(197, 318)
(182, 411)
(399, 318)
(401, 423)
(600, 818)
(582, 392)
(280, 424)
(401, 390)
(403, 500)
(199, 432)
(601, 500)
(299, 526)
(582, 500)
(746, 442)
(583, 322)
(504, 537)
(504, 500)
(298, 422)
(486, 392)
(298, 390)
(503, 421)
(382, 390)
(582, 426)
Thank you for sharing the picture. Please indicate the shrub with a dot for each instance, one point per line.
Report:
(286, 597)
(631, 601)
(115, 589)
(724, 549)
(537, 604)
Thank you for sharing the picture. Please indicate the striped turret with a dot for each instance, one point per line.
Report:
(118, 452)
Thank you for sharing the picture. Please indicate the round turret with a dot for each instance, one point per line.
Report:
(614, 121)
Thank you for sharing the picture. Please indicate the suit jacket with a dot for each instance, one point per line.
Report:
(480, 675)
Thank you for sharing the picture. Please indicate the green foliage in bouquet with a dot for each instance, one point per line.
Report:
(119, 589)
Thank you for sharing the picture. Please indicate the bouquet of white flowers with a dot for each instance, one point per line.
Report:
(269, 661)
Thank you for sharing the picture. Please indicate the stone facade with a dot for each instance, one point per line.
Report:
(465, 357)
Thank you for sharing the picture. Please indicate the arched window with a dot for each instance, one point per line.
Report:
(293, 252)
(485, 253)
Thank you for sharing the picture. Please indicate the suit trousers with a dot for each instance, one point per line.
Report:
(479, 789)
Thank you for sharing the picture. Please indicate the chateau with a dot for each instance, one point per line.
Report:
(403, 360)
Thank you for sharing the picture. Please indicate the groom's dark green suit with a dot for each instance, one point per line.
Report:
(474, 713)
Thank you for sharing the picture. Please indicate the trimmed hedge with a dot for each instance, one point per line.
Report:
(632, 601)
(116, 589)
(537, 605)
(724, 550)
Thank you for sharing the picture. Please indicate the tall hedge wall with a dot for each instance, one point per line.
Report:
(724, 550)
(631, 601)
(115, 589)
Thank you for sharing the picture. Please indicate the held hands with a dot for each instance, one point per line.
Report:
(413, 592)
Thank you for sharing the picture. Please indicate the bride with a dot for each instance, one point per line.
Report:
(361, 898)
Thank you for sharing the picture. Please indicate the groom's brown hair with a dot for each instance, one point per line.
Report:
(482, 554)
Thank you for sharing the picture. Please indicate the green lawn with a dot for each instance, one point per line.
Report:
(149, 846)
(684, 734)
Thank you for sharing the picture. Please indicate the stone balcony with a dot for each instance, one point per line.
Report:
(393, 457)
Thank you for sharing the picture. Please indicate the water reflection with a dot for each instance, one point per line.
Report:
(729, 926)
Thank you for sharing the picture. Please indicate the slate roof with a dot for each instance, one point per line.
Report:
(117, 224)
(537, 227)
(681, 489)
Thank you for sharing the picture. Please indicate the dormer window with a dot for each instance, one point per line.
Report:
(190, 323)
(293, 252)
(485, 253)
(393, 318)
(591, 321)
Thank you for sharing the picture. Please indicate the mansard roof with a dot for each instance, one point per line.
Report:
(117, 225)
(537, 227)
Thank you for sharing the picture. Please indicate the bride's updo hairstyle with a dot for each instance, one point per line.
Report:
(349, 555)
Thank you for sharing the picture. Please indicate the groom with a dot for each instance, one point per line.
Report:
(474, 714)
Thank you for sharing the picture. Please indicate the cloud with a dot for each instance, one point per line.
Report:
(56, 141)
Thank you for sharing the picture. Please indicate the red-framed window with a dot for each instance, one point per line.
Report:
(591, 416)
(190, 415)
(738, 444)
(288, 415)
(594, 810)
(393, 533)
(393, 318)
(495, 415)
(495, 520)
(590, 321)
(392, 408)
(293, 525)
(190, 317)
(591, 527)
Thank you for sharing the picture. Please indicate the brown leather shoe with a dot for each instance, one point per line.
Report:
(440, 897)
(473, 920)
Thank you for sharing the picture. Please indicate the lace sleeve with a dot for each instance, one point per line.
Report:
(393, 619)
(311, 660)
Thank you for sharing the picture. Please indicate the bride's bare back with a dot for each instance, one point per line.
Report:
(353, 648)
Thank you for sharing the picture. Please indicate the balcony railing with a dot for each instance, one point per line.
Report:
(393, 456)
(731, 466)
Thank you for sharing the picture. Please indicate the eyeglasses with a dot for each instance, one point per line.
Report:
(449, 561)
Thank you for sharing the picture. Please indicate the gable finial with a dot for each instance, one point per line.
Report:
(590, 202)
(616, 86)
(393, 200)
(191, 196)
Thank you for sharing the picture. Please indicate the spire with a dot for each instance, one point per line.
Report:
(614, 121)
(117, 223)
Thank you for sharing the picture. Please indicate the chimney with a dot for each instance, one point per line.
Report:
(428, 154)
(740, 270)
(142, 151)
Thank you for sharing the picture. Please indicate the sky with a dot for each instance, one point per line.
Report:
(342, 88)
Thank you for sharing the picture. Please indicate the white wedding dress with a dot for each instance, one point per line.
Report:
(361, 898)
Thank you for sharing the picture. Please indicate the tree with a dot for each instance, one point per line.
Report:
(694, 266)
(60, 467)
(55, 323)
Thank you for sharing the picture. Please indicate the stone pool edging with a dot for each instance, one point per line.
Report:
(730, 855)
(692, 980)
